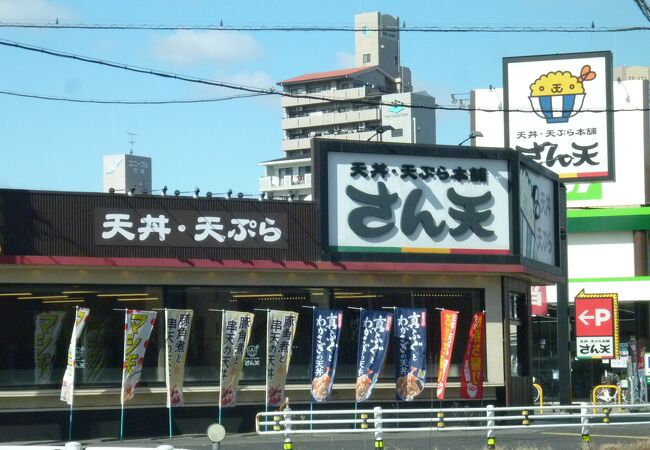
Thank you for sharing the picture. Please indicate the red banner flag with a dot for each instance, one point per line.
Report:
(539, 300)
(448, 323)
(471, 373)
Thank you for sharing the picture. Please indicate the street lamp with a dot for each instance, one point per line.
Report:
(380, 130)
(473, 134)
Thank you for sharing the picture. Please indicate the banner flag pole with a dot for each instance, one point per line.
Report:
(122, 423)
(223, 318)
(311, 365)
(170, 422)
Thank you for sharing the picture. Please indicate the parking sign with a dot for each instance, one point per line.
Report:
(596, 326)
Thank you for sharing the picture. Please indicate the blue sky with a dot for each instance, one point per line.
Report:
(217, 146)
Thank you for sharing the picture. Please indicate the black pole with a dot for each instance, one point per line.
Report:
(563, 320)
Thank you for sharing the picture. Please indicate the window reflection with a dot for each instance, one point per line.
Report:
(101, 345)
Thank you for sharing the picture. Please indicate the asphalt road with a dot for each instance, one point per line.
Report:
(527, 439)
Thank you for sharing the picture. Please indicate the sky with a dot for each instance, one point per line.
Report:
(217, 146)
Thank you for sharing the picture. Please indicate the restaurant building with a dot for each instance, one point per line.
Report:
(393, 225)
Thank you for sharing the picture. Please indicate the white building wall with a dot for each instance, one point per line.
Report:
(594, 255)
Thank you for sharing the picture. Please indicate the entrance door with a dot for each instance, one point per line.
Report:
(517, 342)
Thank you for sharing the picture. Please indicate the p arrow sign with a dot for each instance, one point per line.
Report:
(596, 326)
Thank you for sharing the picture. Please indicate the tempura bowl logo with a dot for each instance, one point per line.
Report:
(557, 96)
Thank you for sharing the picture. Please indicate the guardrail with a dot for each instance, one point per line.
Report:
(490, 419)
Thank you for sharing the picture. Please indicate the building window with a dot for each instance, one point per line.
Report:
(285, 171)
(398, 132)
(302, 171)
(364, 31)
(100, 348)
(366, 58)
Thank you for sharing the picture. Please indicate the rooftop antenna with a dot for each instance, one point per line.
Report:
(131, 140)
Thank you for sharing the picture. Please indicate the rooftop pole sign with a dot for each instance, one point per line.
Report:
(596, 326)
(559, 112)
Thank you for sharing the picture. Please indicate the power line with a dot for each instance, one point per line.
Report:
(645, 9)
(127, 102)
(316, 28)
(261, 91)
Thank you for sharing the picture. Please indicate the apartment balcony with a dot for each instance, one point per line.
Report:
(334, 118)
(328, 96)
(304, 143)
(287, 182)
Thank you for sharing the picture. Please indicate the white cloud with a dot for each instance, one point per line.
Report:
(186, 47)
(345, 60)
(250, 79)
(31, 10)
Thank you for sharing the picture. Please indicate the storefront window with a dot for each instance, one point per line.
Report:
(101, 345)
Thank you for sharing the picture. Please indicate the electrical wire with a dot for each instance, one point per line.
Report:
(127, 102)
(645, 9)
(261, 91)
(316, 28)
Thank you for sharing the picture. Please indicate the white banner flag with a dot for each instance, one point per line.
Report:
(47, 327)
(235, 331)
(279, 339)
(67, 388)
(178, 323)
(137, 330)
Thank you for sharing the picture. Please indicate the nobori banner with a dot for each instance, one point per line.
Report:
(432, 202)
(558, 111)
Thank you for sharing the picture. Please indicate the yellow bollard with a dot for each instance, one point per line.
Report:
(379, 443)
(491, 443)
(364, 423)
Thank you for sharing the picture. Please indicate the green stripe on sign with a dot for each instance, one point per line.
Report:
(608, 279)
(608, 219)
(585, 191)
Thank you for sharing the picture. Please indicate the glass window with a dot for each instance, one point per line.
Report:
(285, 171)
(366, 58)
(101, 344)
(398, 132)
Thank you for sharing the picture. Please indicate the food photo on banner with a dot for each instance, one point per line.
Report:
(178, 323)
(471, 373)
(137, 330)
(448, 324)
(411, 345)
(374, 337)
(67, 387)
(235, 332)
(327, 324)
(281, 327)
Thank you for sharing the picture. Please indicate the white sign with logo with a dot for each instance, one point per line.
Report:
(411, 203)
(557, 112)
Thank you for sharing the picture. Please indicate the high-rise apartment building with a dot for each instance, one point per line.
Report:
(372, 101)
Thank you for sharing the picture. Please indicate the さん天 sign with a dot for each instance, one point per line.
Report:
(596, 326)
(558, 112)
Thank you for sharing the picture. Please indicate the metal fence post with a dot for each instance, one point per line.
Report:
(491, 440)
(288, 445)
(584, 420)
(379, 441)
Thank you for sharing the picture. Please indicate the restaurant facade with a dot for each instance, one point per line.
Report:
(393, 225)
